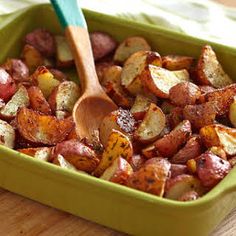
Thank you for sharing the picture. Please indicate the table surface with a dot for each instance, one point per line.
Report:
(21, 216)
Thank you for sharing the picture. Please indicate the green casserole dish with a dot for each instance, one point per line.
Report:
(112, 205)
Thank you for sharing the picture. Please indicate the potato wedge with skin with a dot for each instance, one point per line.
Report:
(178, 169)
(211, 169)
(129, 46)
(151, 178)
(232, 112)
(150, 151)
(64, 96)
(137, 161)
(182, 184)
(41, 153)
(118, 145)
(134, 67)
(176, 62)
(64, 56)
(101, 68)
(159, 80)
(185, 93)
(42, 129)
(189, 196)
(175, 116)
(77, 154)
(118, 172)
(218, 151)
(220, 136)
(171, 143)
(18, 100)
(121, 120)
(7, 134)
(62, 162)
(152, 125)
(38, 101)
(210, 71)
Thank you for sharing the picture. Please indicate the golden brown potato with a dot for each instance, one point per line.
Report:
(101, 68)
(129, 46)
(7, 134)
(171, 143)
(42, 129)
(38, 101)
(118, 145)
(40, 153)
(220, 136)
(232, 112)
(185, 93)
(210, 71)
(176, 62)
(152, 125)
(151, 178)
(159, 80)
(134, 67)
(200, 115)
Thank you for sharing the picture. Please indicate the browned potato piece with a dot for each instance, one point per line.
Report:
(191, 150)
(134, 67)
(152, 125)
(210, 71)
(18, 100)
(121, 120)
(77, 154)
(176, 62)
(206, 89)
(59, 75)
(62, 162)
(175, 116)
(167, 107)
(200, 115)
(64, 56)
(42, 129)
(218, 151)
(185, 93)
(232, 112)
(102, 44)
(7, 134)
(159, 80)
(118, 145)
(38, 101)
(150, 151)
(178, 169)
(137, 161)
(41, 153)
(220, 136)
(101, 68)
(151, 178)
(182, 184)
(189, 196)
(64, 96)
(118, 172)
(170, 143)
(128, 47)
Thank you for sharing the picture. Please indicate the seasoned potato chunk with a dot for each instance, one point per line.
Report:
(178, 169)
(41, 153)
(7, 134)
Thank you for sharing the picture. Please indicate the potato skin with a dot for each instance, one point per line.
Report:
(137, 161)
(178, 169)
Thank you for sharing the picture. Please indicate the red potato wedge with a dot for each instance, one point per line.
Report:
(171, 143)
(136, 162)
(150, 151)
(101, 68)
(211, 169)
(220, 136)
(7, 134)
(62, 162)
(64, 96)
(41, 153)
(176, 62)
(77, 154)
(129, 46)
(7, 85)
(112, 74)
(102, 44)
(152, 125)
(38, 101)
(218, 151)
(151, 178)
(182, 184)
(167, 107)
(191, 150)
(178, 169)
(134, 67)
(118, 145)
(185, 93)
(210, 71)
(159, 80)
(121, 120)
(189, 196)
(118, 172)
(18, 100)
(232, 112)
(64, 56)
(42, 129)
(42, 40)
(175, 117)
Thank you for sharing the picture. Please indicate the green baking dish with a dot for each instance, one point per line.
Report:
(115, 206)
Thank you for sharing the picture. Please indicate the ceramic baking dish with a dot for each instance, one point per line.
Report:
(109, 204)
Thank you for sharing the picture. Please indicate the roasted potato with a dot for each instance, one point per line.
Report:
(151, 178)
(128, 47)
(42, 129)
(40, 153)
(137, 161)
(62, 162)
(59, 75)
(7, 134)
(171, 143)
(178, 169)
(101, 68)
(159, 80)
(167, 107)
(152, 125)
(232, 112)
(118, 145)
(218, 151)
(189, 196)
(210, 71)
(150, 151)
(206, 89)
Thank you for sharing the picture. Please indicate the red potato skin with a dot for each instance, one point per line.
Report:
(137, 161)
(178, 169)
(175, 117)
(211, 169)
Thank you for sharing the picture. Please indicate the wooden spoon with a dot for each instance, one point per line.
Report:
(94, 104)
